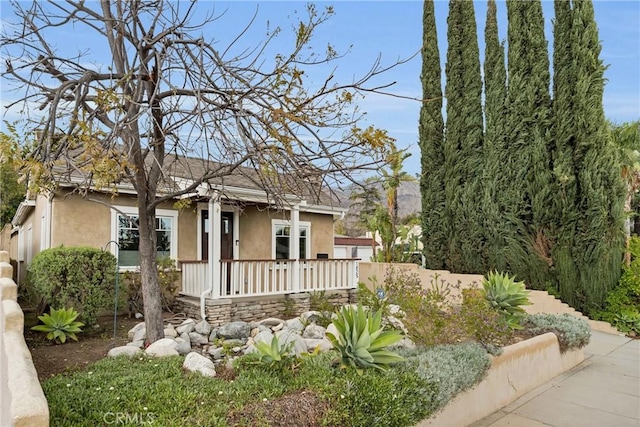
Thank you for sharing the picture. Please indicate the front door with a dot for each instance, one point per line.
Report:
(226, 242)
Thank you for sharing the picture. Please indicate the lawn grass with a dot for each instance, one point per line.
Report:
(145, 389)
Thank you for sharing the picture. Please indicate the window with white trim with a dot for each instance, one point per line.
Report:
(282, 239)
(125, 231)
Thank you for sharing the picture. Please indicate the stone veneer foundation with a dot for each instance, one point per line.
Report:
(248, 309)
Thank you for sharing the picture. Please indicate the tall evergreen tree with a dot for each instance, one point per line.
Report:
(529, 145)
(463, 141)
(599, 237)
(564, 173)
(431, 145)
(495, 89)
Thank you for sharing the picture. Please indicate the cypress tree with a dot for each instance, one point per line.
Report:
(599, 237)
(431, 145)
(564, 173)
(529, 145)
(463, 142)
(495, 89)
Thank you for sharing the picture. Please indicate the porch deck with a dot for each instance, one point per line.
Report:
(249, 278)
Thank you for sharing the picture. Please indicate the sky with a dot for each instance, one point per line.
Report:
(392, 30)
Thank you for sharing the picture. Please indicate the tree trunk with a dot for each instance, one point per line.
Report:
(149, 275)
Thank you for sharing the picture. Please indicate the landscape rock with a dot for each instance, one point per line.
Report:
(203, 328)
(332, 329)
(271, 322)
(278, 327)
(138, 344)
(264, 336)
(314, 331)
(183, 346)
(290, 336)
(235, 330)
(213, 335)
(187, 326)
(162, 348)
(195, 362)
(125, 350)
(295, 324)
(135, 329)
(197, 339)
(396, 323)
(170, 332)
(310, 316)
(323, 344)
(216, 352)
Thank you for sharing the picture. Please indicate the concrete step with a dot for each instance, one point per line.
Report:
(543, 302)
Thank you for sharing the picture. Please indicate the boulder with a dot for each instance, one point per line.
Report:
(132, 331)
(203, 328)
(213, 335)
(310, 316)
(323, 344)
(198, 339)
(295, 324)
(264, 336)
(396, 323)
(195, 362)
(162, 348)
(216, 352)
(138, 344)
(314, 331)
(187, 326)
(235, 330)
(125, 350)
(271, 322)
(170, 332)
(332, 329)
(291, 336)
(183, 346)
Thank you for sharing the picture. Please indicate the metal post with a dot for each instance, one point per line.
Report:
(115, 300)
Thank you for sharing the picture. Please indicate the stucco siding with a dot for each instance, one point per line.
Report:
(79, 222)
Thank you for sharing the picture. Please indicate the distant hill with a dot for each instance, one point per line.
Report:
(409, 202)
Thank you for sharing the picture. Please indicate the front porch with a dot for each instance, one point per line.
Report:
(258, 278)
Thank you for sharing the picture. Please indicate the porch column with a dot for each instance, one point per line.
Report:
(215, 219)
(295, 246)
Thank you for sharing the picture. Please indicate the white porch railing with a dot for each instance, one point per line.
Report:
(243, 278)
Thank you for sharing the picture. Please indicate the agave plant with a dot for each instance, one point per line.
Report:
(506, 296)
(272, 353)
(361, 339)
(60, 324)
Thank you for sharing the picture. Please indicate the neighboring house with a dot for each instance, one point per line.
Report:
(256, 248)
(354, 247)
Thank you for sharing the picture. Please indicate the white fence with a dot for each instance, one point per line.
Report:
(243, 278)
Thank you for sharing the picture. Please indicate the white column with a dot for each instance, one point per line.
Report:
(295, 246)
(215, 219)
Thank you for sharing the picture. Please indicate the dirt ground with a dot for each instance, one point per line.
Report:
(92, 345)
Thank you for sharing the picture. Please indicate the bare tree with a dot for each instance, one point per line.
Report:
(170, 92)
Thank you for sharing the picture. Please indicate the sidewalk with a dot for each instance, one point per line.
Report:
(603, 391)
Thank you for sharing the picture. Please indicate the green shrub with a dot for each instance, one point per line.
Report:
(60, 324)
(506, 296)
(362, 340)
(622, 306)
(454, 368)
(168, 280)
(78, 277)
(571, 331)
(319, 301)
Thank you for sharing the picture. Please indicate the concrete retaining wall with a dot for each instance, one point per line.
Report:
(22, 401)
(519, 369)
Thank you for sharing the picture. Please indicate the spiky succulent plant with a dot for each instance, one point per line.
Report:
(362, 340)
(506, 296)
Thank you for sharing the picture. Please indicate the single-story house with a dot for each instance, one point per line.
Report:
(230, 231)
(361, 247)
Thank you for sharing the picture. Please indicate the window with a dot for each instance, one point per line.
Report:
(127, 235)
(282, 240)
